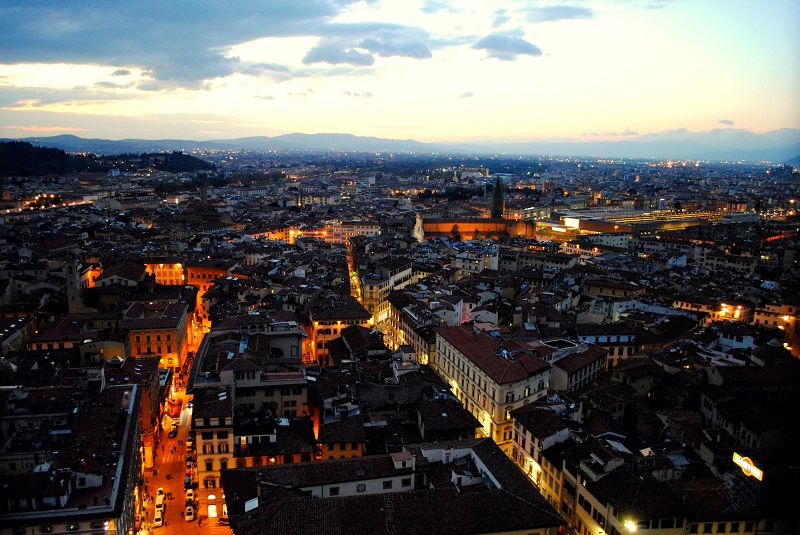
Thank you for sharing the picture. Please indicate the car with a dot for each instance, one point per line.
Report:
(158, 518)
(190, 494)
(187, 482)
(189, 513)
(160, 491)
(190, 445)
(160, 502)
(173, 432)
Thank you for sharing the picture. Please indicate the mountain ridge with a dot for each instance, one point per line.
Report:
(730, 144)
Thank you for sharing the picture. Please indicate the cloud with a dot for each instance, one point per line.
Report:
(556, 13)
(434, 6)
(176, 45)
(626, 133)
(335, 52)
(405, 42)
(500, 17)
(365, 94)
(726, 122)
(257, 69)
(121, 72)
(506, 48)
(103, 84)
(36, 128)
(466, 94)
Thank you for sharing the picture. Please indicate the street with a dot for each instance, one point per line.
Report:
(169, 471)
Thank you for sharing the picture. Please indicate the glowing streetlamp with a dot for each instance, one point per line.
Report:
(630, 524)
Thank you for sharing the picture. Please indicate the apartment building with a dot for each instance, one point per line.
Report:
(342, 231)
(490, 377)
(158, 329)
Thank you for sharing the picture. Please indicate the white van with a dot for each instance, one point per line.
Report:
(160, 503)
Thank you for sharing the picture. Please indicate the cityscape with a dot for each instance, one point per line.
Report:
(398, 268)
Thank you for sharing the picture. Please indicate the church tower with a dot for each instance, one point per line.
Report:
(498, 200)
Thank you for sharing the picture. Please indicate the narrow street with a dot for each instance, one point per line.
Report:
(169, 473)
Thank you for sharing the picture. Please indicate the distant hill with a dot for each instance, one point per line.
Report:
(18, 158)
(21, 158)
(727, 144)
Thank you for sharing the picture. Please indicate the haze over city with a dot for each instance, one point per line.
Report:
(433, 71)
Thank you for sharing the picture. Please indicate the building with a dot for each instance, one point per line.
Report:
(328, 318)
(490, 378)
(89, 480)
(447, 488)
(342, 231)
(158, 329)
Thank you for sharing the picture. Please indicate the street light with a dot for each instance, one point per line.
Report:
(631, 525)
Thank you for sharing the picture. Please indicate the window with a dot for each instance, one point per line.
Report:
(222, 447)
(209, 466)
(707, 528)
(405, 482)
(222, 435)
(223, 464)
(334, 491)
(387, 485)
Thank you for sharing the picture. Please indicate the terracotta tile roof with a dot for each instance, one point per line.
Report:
(482, 350)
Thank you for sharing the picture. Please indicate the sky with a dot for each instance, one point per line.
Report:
(429, 70)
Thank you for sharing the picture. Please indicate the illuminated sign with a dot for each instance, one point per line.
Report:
(747, 466)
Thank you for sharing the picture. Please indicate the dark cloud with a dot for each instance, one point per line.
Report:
(500, 17)
(506, 48)
(726, 122)
(335, 52)
(180, 46)
(555, 13)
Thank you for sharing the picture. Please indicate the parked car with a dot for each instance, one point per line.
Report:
(189, 513)
(158, 518)
(190, 494)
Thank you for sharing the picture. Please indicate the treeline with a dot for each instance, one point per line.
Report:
(20, 158)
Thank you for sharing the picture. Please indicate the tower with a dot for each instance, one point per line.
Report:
(498, 200)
